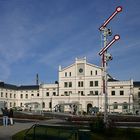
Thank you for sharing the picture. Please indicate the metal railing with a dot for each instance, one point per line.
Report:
(56, 132)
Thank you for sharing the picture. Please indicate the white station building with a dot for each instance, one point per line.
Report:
(79, 83)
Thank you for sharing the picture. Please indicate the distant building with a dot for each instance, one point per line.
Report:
(80, 83)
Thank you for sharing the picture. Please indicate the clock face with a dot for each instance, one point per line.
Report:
(80, 70)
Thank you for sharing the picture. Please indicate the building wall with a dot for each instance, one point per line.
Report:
(80, 82)
(91, 90)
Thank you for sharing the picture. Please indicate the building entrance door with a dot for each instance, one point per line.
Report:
(88, 107)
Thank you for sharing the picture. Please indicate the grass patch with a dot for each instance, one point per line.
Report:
(61, 134)
(117, 134)
(19, 136)
(43, 133)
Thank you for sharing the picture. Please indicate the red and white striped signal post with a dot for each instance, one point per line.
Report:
(103, 54)
(118, 9)
(116, 37)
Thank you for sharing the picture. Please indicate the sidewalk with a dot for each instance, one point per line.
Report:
(6, 132)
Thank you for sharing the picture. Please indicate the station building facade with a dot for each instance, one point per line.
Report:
(80, 83)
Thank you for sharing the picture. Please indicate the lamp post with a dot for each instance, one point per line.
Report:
(98, 101)
(130, 102)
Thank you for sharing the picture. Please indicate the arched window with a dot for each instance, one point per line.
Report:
(43, 105)
(14, 104)
(115, 105)
(50, 104)
(125, 105)
(88, 107)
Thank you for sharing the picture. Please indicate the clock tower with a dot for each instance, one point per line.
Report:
(81, 66)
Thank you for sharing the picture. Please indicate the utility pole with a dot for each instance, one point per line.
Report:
(107, 57)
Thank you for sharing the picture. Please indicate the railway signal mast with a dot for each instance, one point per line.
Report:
(107, 57)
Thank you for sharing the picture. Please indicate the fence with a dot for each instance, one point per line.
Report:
(57, 132)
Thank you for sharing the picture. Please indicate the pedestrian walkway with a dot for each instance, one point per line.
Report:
(6, 132)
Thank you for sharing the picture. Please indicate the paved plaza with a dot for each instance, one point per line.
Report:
(6, 132)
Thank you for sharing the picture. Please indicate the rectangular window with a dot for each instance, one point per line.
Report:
(50, 104)
(26, 96)
(82, 93)
(10, 95)
(65, 93)
(96, 72)
(113, 93)
(91, 73)
(1, 94)
(47, 93)
(115, 105)
(91, 83)
(65, 74)
(96, 83)
(70, 84)
(96, 92)
(43, 105)
(14, 95)
(10, 104)
(21, 96)
(70, 93)
(138, 94)
(65, 84)
(80, 84)
(91, 93)
(121, 92)
(70, 74)
(37, 94)
(54, 93)
(125, 105)
(6, 95)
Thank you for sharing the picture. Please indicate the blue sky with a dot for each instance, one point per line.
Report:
(36, 36)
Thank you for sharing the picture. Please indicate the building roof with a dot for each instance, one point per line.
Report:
(28, 87)
(8, 86)
(22, 87)
(111, 79)
(136, 83)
